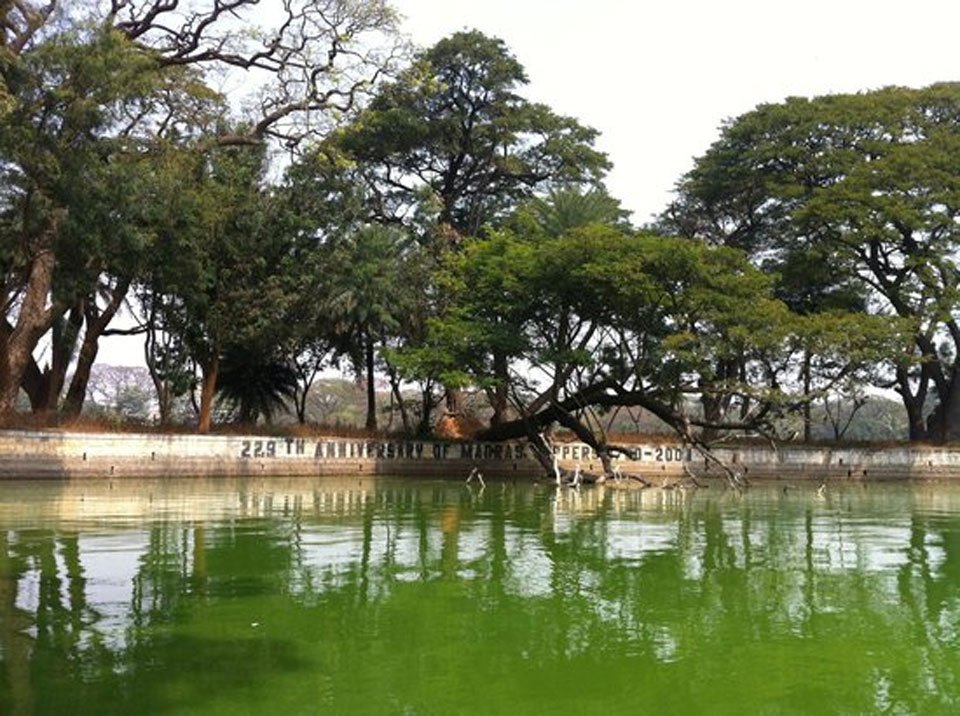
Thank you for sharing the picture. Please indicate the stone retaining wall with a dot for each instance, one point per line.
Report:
(63, 454)
(54, 454)
(846, 463)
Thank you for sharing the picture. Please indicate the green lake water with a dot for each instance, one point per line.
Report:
(423, 597)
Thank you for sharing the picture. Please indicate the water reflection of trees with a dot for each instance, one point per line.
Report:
(653, 579)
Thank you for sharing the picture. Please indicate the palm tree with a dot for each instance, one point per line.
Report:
(367, 296)
(254, 383)
(569, 208)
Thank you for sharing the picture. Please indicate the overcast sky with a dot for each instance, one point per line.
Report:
(657, 78)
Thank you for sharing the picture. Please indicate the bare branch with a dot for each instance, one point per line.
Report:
(21, 22)
(308, 57)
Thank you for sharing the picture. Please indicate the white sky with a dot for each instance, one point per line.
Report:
(657, 78)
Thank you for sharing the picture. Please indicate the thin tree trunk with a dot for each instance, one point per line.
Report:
(160, 382)
(712, 414)
(398, 396)
(301, 394)
(64, 343)
(306, 375)
(96, 324)
(371, 387)
(499, 394)
(717, 404)
(807, 418)
(208, 390)
(454, 401)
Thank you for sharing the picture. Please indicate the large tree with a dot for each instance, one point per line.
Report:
(454, 126)
(859, 195)
(452, 138)
(318, 210)
(597, 319)
(221, 274)
(370, 295)
(87, 86)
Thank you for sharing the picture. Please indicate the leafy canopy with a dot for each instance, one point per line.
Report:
(455, 124)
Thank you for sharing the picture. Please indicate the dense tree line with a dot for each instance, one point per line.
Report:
(852, 200)
(432, 227)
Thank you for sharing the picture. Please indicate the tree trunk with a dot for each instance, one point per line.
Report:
(33, 380)
(34, 319)
(427, 405)
(712, 412)
(371, 385)
(64, 343)
(499, 393)
(208, 390)
(586, 435)
(33, 385)
(161, 383)
(300, 403)
(913, 403)
(398, 396)
(916, 427)
(950, 409)
(77, 392)
(306, 375)
(716, 404)
(807, 418)
(301, 394)
(164, 402)
(454, 401)
(96, 324)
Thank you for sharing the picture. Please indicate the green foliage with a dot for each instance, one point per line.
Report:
(490, 286)
(824, 237)
(368, 275)
(62, 148)
(599, 318)
(454, 123)
(563, 209)
(255, 384)
(853, 200)
(133, 402)
(221, 268)
(117, 166)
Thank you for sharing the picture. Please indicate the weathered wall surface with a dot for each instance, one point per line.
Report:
(63, 454)
(847, 463)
